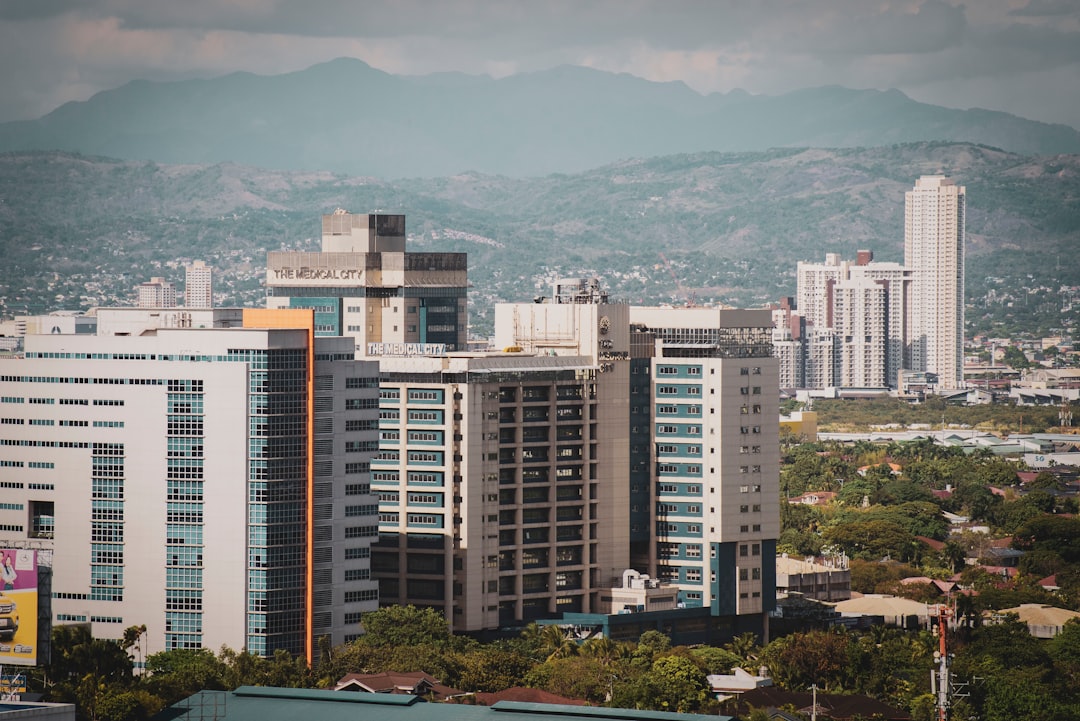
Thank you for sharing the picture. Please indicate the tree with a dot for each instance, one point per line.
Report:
(176, 674)
(714, 660)
(580, 677)
(1015, 358)
(745, 647)
(681, 684)
(803, 659)
(491, 669)
(652, 644)
(133, 639)
(873, 539)
(405, 626)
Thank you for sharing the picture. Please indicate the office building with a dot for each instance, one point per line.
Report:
(364, 285)
(212, 484)
(716, 464)
(934, 219)
(494, 506)
(199, 285)
(156, 293)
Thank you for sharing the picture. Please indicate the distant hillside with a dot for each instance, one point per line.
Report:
(347, 117)
(78, 231)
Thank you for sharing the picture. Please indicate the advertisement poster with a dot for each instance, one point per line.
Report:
(18, 606)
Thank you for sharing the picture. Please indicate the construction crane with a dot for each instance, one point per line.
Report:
(691, 298)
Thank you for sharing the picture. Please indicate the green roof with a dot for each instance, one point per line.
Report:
(258, 703)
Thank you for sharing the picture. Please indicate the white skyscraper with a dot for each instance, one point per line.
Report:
(223, 501)
(934, 251)
(199, 286)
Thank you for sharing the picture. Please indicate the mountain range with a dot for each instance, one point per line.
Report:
(347, 117)
(78, 231)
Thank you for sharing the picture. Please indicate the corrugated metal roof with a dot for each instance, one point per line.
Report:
(257, 703)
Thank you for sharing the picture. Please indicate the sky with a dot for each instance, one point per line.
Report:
(1019, 56)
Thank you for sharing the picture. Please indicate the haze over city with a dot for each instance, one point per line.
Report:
(1018, 56)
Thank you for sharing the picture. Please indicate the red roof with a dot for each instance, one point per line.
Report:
(936, 545)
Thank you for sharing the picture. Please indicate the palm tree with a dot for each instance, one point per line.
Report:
(133, 639)
(746, 647)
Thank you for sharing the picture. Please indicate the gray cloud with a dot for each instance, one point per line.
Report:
(69, 49)
(1046, 8)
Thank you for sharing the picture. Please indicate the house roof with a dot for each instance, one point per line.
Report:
(416, 683)
(257, 703)
(881, 605)
(932, 543)
(1037, 614)
(526, 695)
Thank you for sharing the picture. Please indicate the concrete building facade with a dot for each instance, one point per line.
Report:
(493, 503)
(156, 293)
(212, 484)
(934, 222)
(199, 285)
(715, 438)
(364, 285)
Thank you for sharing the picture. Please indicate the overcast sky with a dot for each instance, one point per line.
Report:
(1020, 56)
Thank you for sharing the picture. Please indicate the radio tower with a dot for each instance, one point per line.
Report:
(939, 679)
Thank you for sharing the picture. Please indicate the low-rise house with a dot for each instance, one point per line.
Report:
(416, 683)
(892, 610)
(814, 498)
(738, 682)
(829, 580)
(1042, 621)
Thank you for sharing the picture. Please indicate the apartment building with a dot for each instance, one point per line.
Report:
(156, 293)
(714, 411)
(494, 503)
(934, 235)
(199, 285)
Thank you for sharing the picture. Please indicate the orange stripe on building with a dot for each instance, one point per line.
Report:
(299, 319)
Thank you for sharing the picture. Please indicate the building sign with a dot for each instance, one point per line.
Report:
(18, 606)
(406, 349)
(306, 273)
(309, 269)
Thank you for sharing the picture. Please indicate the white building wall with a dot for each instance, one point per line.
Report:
(934, 221)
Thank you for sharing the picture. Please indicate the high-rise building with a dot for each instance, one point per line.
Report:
(156, 293)
(210, 483)
(500, 475)
(934, 250)
(862, 305)
(493, 504)
(364, 285)
(199, 285)
(714, 455)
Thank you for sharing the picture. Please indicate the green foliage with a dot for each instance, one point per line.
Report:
(713, 660)
(861, 414)
(874, 577)
(874, 539)
(405, 626)
(803, 659)
(492, 669)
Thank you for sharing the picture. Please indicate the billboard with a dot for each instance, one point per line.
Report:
(18, 606)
